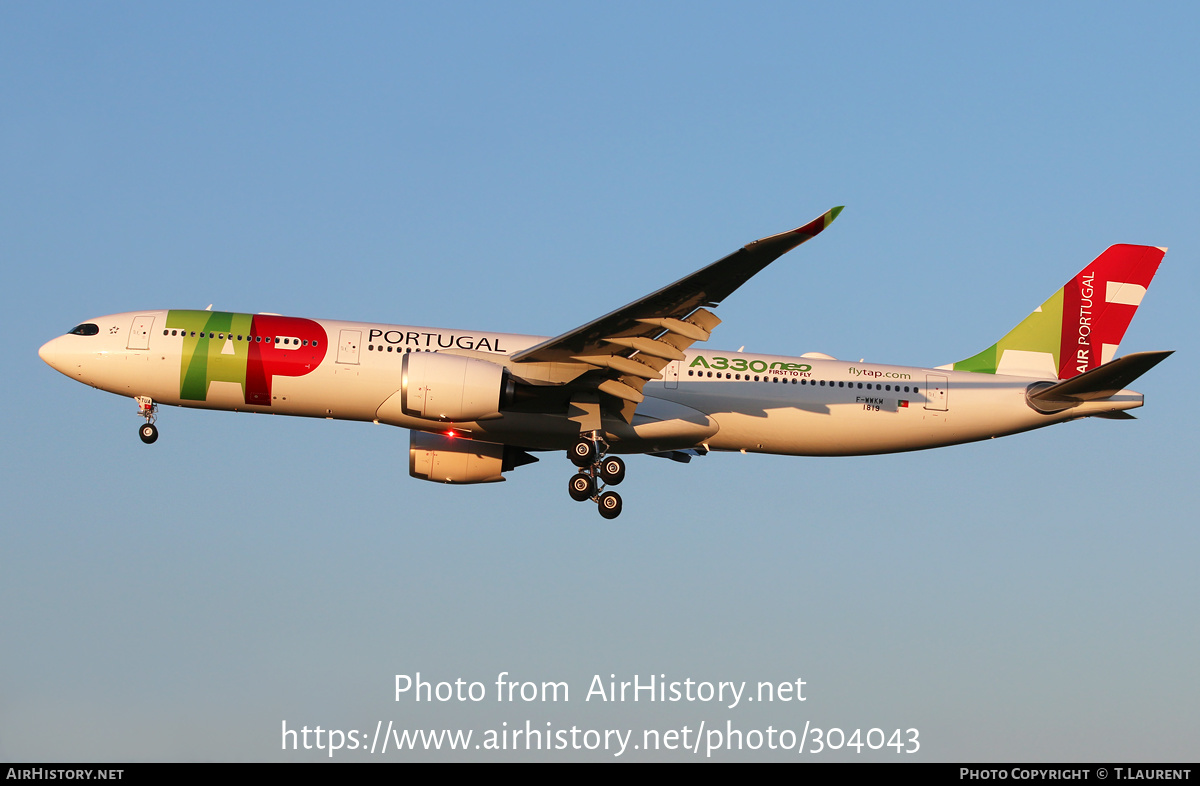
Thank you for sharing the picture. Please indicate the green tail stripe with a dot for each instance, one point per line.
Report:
(1038, 332)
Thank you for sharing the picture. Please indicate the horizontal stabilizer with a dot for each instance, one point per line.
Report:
(1100, 383)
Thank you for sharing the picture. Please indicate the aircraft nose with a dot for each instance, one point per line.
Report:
(52, 353)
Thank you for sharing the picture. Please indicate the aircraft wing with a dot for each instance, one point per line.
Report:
(634, 343)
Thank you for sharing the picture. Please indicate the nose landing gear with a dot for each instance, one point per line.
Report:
(595, 472)
(148, 410)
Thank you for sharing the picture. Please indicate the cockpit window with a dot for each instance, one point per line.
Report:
(86, 329)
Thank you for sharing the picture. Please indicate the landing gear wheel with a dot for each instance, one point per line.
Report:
(610, 504)
(583, 487)
(148, 433)
(612, 470)
(583, 453)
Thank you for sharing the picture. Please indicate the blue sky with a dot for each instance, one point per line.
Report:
(526, 167)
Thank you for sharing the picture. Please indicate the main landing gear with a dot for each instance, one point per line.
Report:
(596, 471)
(149, 410)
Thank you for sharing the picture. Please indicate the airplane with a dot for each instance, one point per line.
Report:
(479, 404)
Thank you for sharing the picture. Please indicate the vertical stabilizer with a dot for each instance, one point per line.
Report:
(1081, 325)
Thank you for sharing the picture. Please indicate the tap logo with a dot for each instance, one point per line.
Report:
(247, 349)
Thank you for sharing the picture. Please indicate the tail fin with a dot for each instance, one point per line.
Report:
(1081, 325)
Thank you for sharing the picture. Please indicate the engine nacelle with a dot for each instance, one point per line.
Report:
(444, 459)
(452, 388)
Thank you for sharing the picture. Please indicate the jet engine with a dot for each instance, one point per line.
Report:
(445, 459)
(453, 388)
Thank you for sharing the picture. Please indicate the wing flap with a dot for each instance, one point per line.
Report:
(648, 346)
(685, 329)
(625, 366)
(622, 391)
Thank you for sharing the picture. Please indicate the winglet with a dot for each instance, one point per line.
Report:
(786, 241)
(814, 227)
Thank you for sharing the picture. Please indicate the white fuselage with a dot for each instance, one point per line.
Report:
(713, 399)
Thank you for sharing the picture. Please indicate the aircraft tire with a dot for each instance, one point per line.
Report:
(582, 487)
(582, 453)
(612, 470)
(610, 504)
(148, 433)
